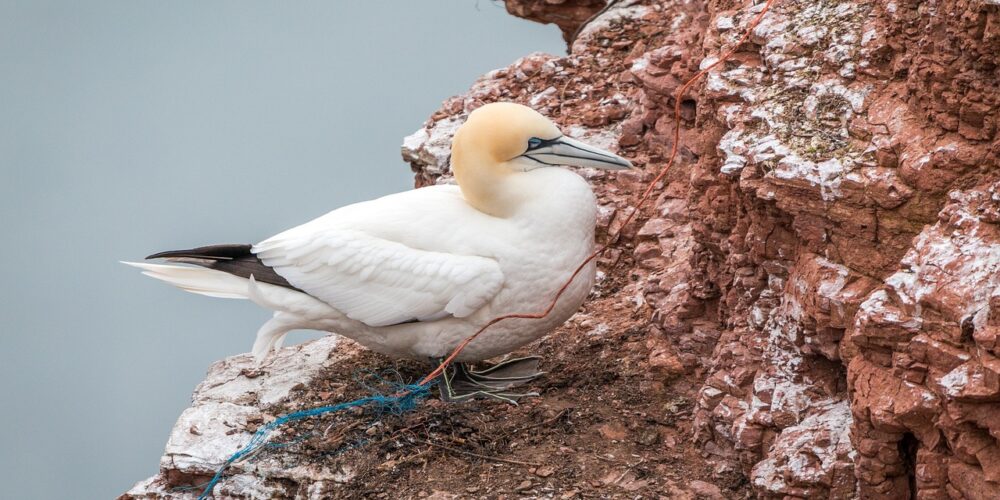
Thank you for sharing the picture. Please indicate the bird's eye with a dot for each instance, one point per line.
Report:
(534, 142)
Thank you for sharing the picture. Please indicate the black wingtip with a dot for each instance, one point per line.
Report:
(211, 252)
(237, 260)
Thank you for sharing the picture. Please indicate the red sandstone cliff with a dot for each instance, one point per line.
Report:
(810, 308)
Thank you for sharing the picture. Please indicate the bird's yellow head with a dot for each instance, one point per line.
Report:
(503, 139)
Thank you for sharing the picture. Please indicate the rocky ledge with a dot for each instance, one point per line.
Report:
(806, 311)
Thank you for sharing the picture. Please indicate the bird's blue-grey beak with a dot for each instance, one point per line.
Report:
(567, 151)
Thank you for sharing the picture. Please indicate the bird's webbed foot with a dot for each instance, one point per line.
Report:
(460, 382)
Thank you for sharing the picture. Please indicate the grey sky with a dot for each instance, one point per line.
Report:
(128, 127)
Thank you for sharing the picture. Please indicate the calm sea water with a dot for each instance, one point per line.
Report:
(128, 127)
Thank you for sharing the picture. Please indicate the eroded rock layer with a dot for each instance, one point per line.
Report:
(818, 274)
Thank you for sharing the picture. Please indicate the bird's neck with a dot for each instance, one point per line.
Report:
(486, 185)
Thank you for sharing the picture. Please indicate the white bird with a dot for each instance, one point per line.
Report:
(413, 274)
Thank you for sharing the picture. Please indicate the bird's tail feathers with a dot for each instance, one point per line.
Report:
(200, 280)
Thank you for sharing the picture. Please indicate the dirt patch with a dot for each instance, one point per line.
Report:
(603, 425)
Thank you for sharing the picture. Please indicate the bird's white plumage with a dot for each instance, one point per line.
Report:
(380, 282)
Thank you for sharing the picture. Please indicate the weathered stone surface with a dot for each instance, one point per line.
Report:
(569, 15)
(225, 406)
(937, 378)
(815, 454)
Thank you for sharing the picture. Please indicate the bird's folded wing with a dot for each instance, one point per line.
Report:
(381, 282)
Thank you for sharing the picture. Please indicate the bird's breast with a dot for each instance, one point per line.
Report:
(554, 234)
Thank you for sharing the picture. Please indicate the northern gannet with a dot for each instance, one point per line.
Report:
(412, 274)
